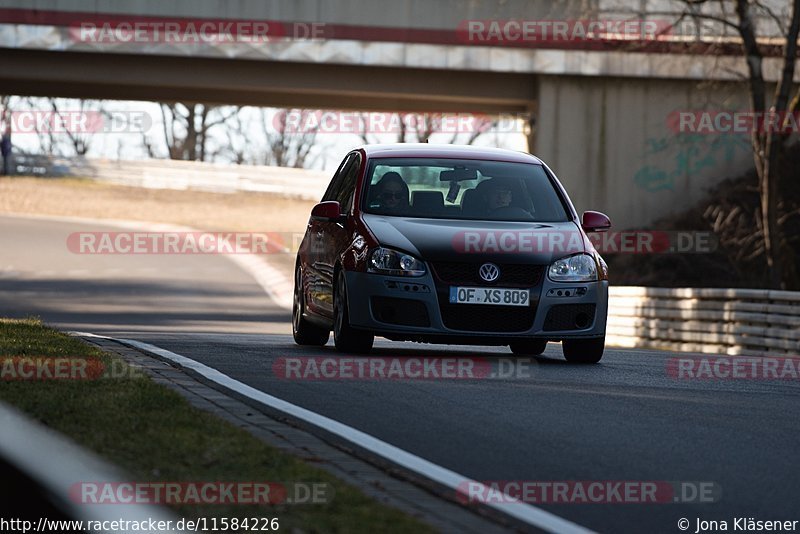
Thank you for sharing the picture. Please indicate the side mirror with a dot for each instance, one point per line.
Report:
(594, 221)
(327, 212)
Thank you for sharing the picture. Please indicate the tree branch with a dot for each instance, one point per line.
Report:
(790, 53)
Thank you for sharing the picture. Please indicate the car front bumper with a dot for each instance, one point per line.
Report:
(417, 309)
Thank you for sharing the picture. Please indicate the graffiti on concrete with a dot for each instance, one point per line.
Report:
(686, 155)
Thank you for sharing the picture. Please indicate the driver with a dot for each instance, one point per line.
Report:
(391, 192)
(498, 197)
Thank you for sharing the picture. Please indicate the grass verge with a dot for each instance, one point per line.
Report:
(157, 436)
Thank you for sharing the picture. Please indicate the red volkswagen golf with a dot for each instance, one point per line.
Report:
(450, 244)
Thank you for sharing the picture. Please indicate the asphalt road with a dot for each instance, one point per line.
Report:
(625, 419)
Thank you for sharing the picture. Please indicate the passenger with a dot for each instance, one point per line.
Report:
(391, 193)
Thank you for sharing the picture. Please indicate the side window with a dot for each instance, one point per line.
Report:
(348, 190)
(336, 183)
(343, 185)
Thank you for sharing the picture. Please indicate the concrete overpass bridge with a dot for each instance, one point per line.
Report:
(601, 108)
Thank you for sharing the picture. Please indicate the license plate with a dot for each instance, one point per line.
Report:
(490, 295)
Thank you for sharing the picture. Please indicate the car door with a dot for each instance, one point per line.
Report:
(328, 239)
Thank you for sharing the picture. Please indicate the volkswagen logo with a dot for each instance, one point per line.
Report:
(489, 272)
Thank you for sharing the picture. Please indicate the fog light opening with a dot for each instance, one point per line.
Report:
(582, 320)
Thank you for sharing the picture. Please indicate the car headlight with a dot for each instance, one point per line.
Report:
(578, 268)
(388, 261)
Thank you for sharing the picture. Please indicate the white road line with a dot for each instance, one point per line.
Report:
(517, 509)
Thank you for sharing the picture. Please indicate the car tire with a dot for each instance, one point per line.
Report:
(345, 337)
(533, 347)
(584, 350)
(305, 333)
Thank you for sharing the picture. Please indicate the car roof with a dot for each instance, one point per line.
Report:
(428, 150)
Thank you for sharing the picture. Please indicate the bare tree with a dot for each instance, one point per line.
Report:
(48, 142)
(752, 21)
(290, 135)
(64, 127)
(148, 146)
(5, 110)
(79, 137)
(237, 134)
(187, 128)
(768, 143)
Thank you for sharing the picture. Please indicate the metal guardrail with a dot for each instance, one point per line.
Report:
(748, 322)
(221, 178)
(41, 468)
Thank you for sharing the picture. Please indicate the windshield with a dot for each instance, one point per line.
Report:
(462, 189)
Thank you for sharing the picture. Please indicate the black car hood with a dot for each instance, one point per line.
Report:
(459, 240)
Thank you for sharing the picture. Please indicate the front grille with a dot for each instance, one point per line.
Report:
(511, 275)
(569, 317)
(404, 312)
(485, 318)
